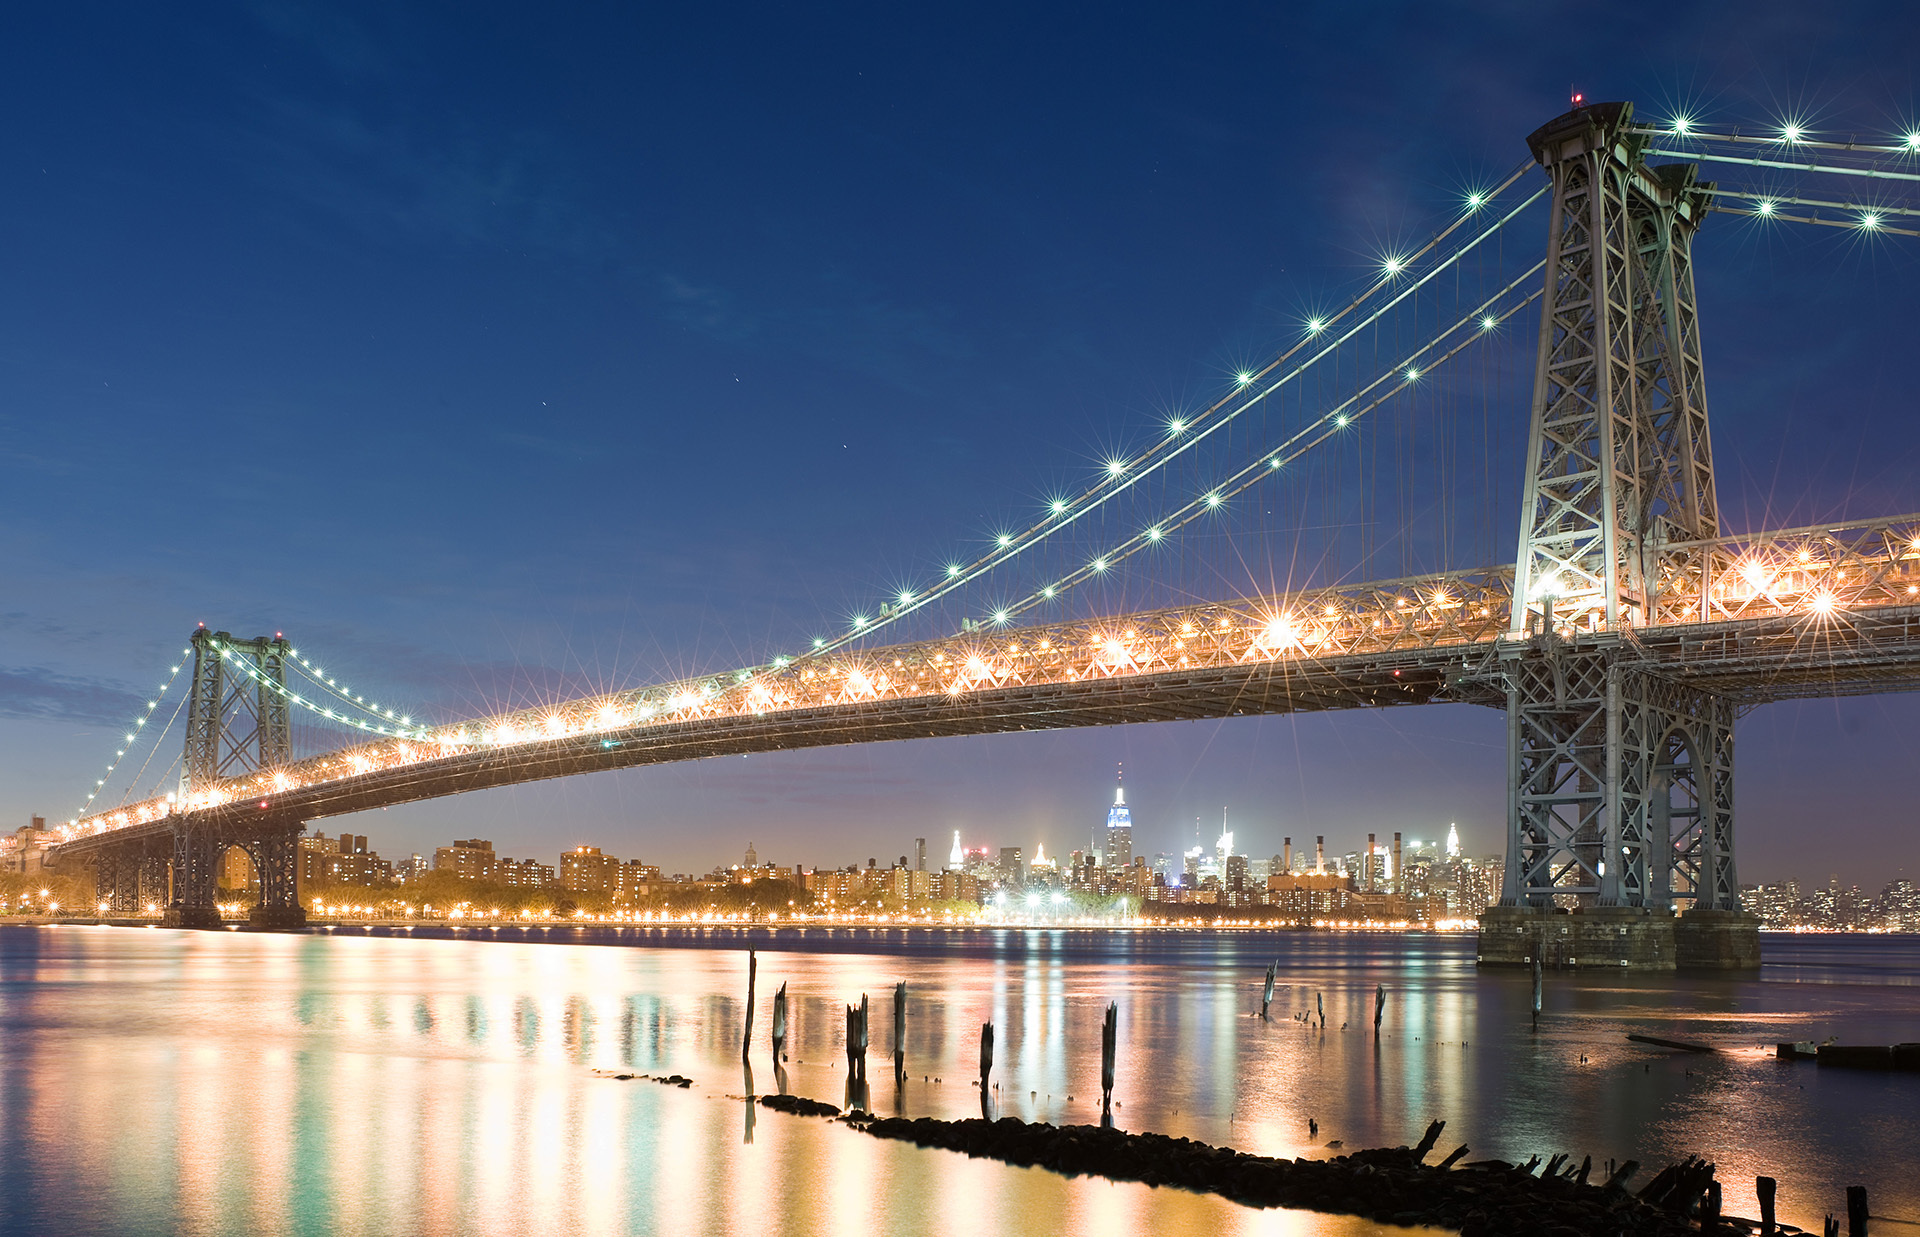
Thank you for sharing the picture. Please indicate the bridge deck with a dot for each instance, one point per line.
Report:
(1796, 613)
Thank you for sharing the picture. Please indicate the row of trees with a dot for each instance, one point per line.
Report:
(443, 891)
(39, 895)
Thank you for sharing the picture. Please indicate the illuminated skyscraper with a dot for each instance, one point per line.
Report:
(1453, 842)
(1118, 851)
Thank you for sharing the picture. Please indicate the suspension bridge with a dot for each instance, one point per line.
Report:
(1623, 640)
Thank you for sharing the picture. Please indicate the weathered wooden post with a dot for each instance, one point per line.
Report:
(1537, 968)
(1856, 1211)
(779, 1024)
(1320, 1003)
(863, 1039)
(746, 1036)
(900, 1034)
(1765, 1187)
(1108, 1037)
(986, 1069)
(1266, 998)
(1379, 1007)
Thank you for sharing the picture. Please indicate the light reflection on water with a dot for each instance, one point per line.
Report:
(224, 1083)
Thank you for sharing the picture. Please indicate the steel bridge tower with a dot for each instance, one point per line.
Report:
(237, 724)
(1619, 777)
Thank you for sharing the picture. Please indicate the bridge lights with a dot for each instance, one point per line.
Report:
(1488, 322)
(1176, 426)
(1213, 500)
(1870, 220)
(1791, 133)
(1476, 200)
(1316, 325)
(1823, 602)
(1243, 378)
(1116, 467)
(1058, 506)
(1393, 264)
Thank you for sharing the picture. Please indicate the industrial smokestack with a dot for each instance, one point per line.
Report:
(1366, 865)
(1286, 855)
(1320, 854)
(1399, 882)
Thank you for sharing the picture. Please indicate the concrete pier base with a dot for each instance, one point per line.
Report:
(177, 916)
(277, 918)
(1617, 938)
(1706, 940)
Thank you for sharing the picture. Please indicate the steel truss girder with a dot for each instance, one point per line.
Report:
(1619, 459)
(1620, 781)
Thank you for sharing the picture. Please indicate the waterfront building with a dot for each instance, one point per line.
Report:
(1012, 867)
(345, 860)
(24, 851)
(524, 874)
(585, 870)
(469, 859)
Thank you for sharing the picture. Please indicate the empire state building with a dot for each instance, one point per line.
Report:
(1118, 851)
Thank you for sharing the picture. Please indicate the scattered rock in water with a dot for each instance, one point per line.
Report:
(672, 1080)
(799, 1106)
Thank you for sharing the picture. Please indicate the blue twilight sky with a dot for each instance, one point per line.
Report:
(496, 352)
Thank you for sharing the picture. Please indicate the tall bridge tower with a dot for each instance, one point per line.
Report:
(1619, 777)
(237, 725)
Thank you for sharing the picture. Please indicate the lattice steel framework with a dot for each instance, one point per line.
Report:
(1622, 782)
(236, 723)
(1620, 789)
(1619, 458)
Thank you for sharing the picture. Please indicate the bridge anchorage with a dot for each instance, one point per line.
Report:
(1622, 642)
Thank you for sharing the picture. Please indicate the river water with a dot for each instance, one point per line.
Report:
(157, 1081)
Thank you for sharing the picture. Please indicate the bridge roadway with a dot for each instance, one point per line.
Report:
(1796, 613)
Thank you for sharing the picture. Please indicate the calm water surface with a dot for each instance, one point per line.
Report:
(155, 1081)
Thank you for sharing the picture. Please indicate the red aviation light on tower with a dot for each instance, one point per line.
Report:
(1579, 99)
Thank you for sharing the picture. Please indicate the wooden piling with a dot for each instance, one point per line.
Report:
(900, 1034)
(746, 1035)
(779, 1025)
(1108, 1039)
(1427, 1140)
(986, 1069)
(863, 1039)
(1537, 968)
(1856, 1211)
(1266, 998)
(1379, 1007)
(1765, 1187)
